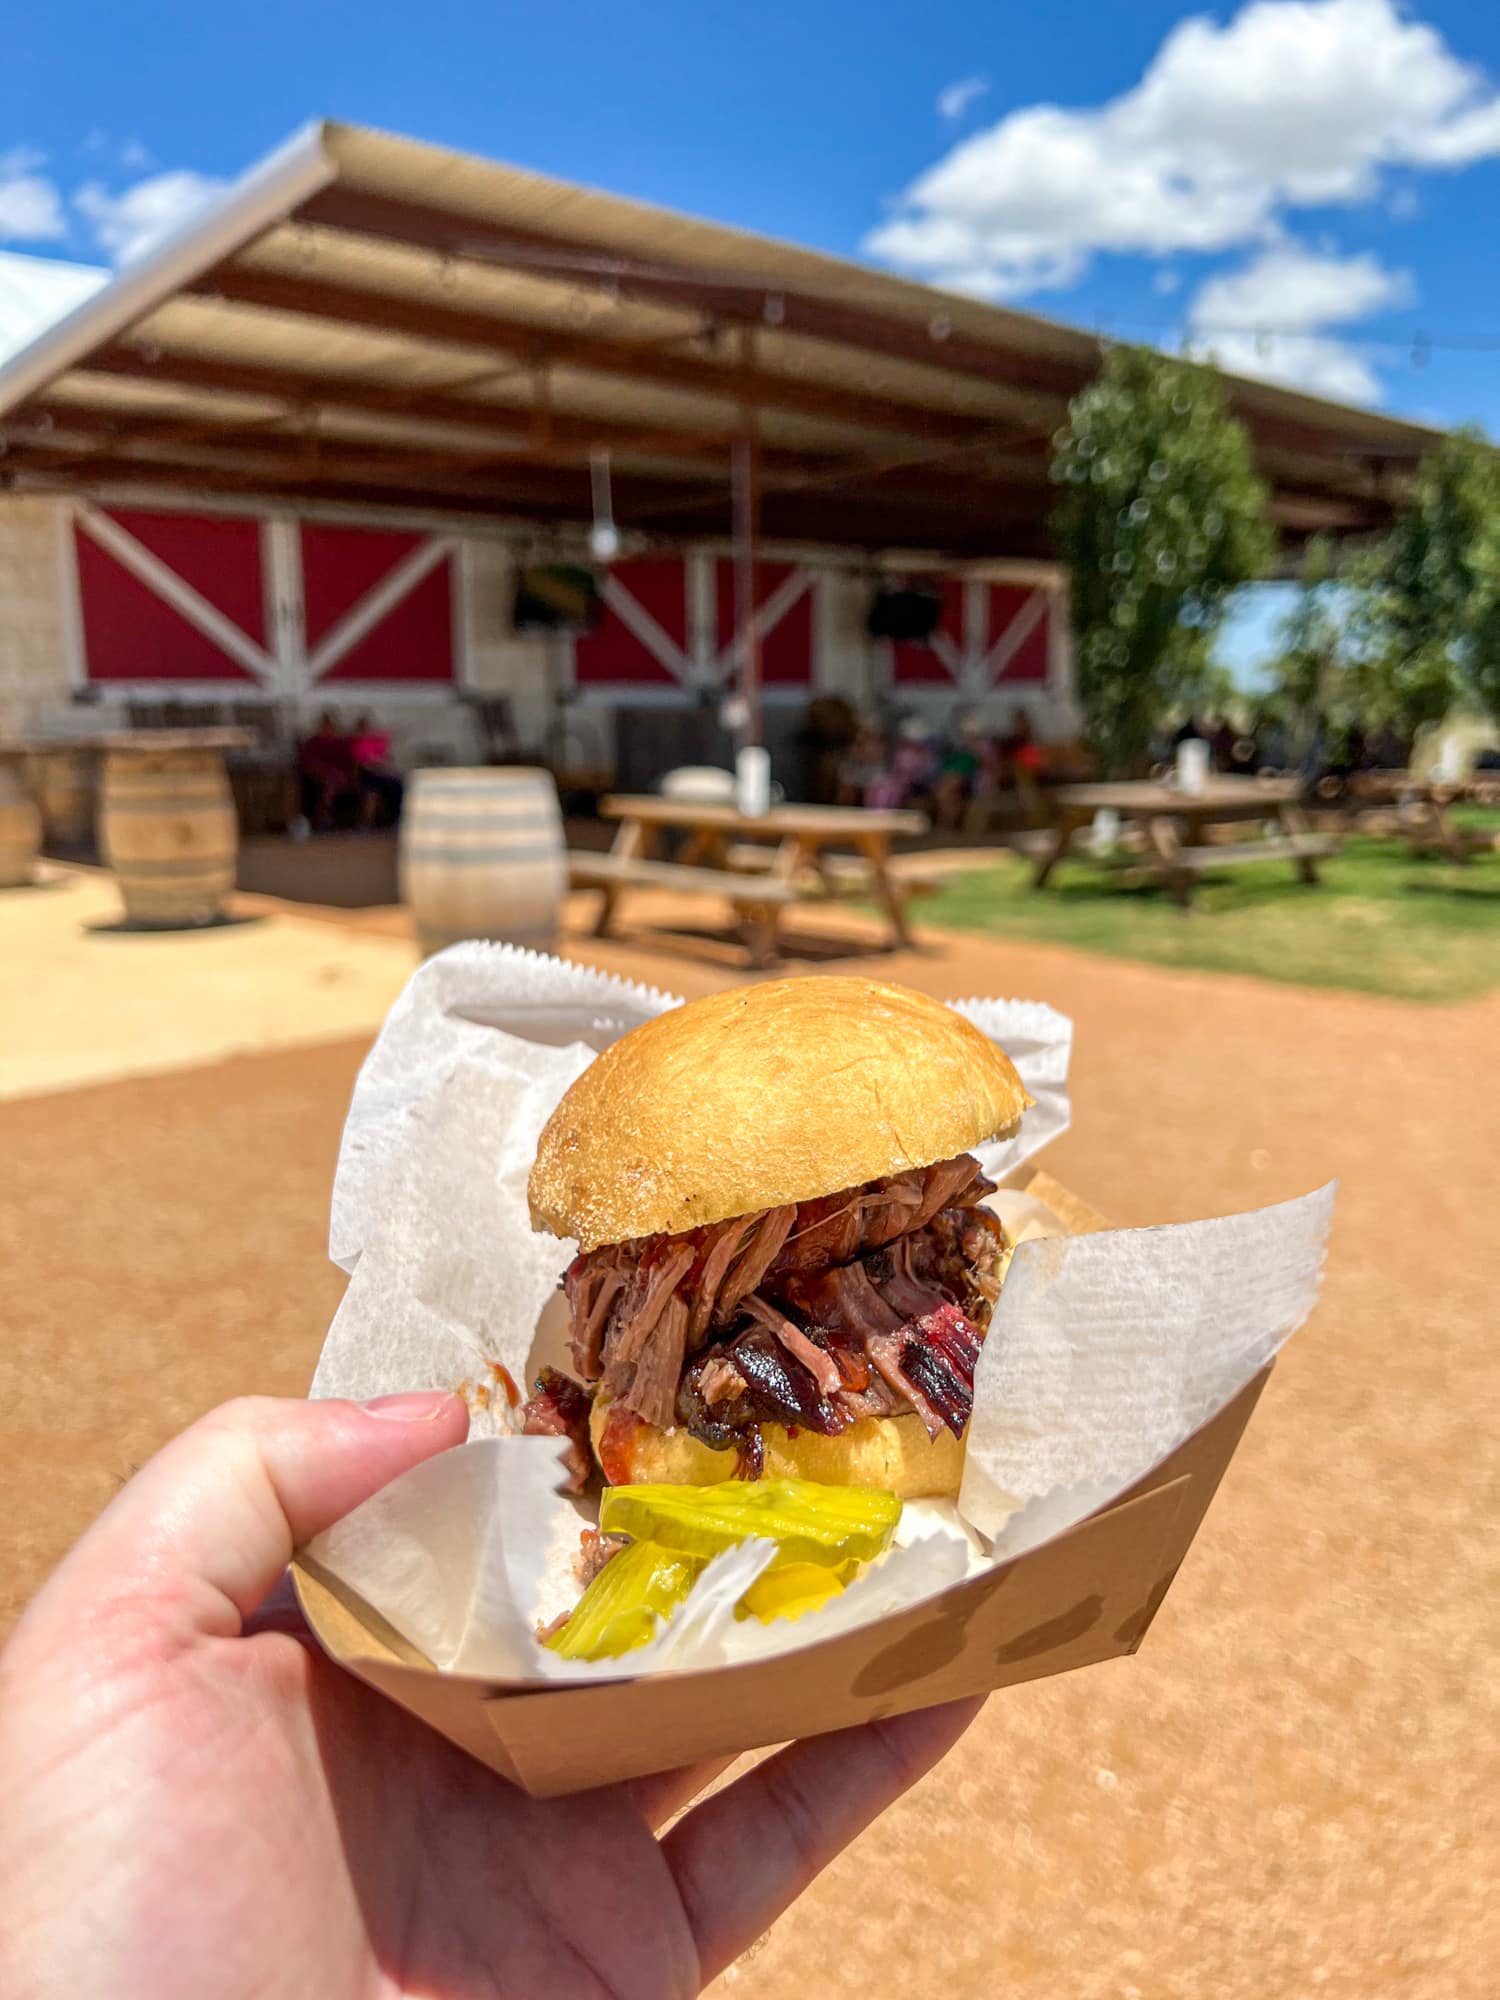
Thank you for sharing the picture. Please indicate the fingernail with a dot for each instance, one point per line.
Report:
(415, 1406)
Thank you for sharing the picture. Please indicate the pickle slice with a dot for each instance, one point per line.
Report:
(620, 1608)
(809, 1523)
(788, 1591)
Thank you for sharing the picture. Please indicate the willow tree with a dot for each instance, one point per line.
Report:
(1160, 517)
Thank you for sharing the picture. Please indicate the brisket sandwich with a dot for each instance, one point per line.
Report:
(784, 1267)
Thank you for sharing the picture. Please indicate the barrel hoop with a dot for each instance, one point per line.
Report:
(176, 809)
(422, 816)
(472, 857)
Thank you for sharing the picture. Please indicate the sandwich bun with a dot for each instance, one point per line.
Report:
(894, 1453)
(764, 1095)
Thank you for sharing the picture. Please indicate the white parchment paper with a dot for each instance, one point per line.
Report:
(1106, 1353)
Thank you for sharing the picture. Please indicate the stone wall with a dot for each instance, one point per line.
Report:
(33, 668)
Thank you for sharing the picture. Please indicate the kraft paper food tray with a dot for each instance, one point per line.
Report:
(1088, 1595)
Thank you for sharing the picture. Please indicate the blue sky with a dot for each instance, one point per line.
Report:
(1309, 188)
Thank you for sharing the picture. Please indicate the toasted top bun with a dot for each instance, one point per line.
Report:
(763, 1095)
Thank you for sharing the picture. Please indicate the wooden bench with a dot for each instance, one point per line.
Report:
(1225, 854)
(1184, 864)
(839, 874)
(755, 902)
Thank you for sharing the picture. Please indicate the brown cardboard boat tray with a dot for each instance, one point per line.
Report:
(1089, 1595)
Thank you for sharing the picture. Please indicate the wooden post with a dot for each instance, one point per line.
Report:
(746, 538)
(746, 484)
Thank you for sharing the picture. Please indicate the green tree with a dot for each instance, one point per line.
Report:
(1483, 653)
(1160, 516)
(1314, 678)
(1431, 602)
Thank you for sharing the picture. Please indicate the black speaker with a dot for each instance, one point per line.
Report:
(911, 615)
(556, 597)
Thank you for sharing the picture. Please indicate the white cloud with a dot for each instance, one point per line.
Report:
(133, 156)
(1271, 318)
(954, 99)
(1294, 290)
(1319, 363)
(31, 209)
(1166, 281)
(1291, 104)
(129, 224)
(35, 291)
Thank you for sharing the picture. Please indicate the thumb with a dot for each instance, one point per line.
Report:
(201, 1534)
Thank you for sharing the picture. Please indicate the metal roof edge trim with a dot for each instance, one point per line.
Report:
(263, 197)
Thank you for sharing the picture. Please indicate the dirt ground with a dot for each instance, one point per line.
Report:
(1291, 1792)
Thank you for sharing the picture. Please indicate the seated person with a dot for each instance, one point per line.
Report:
(330, 779)
(861, 765)
(909, 773)
(1024, 763)
(379, 782)
(960, 773)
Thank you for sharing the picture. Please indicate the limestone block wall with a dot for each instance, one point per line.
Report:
(33, 661)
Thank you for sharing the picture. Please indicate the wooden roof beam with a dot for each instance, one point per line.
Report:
(385, 312)
(82, 455)
(788, 517)
(94, 431)
(514, 433)
(297, 391)
(753, 300)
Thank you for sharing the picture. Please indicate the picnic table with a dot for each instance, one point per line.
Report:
(1174, 825)
(1422, 809)
(759, 863)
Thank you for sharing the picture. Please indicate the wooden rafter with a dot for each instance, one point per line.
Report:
(362, 306)
(932, 343)
(307, 393)
(69, 427)
(865, 521)
(599, 266)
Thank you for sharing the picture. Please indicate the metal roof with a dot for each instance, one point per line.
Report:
(371, 320)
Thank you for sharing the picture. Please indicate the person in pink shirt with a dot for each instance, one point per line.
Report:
(380, 785)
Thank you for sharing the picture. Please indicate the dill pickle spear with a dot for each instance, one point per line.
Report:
(809, 1523)
(788, 1591)
(620, 1608)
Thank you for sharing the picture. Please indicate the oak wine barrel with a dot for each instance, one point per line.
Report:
(168, 830)
(65, 792)
(482, 855)
(20, 826)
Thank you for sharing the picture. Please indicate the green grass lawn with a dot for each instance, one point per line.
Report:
(1382, 920)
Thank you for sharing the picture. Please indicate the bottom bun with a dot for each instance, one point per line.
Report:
(893, 1453)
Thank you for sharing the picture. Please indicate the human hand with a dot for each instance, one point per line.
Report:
(198, 1803)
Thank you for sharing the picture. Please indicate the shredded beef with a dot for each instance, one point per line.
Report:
(781, 1386)
(721, 1253)
(594, 1551)
(753, 1262)
(592, 1285)
(560, 1408)
(801, 1346)
(867, 1303)
(652, 1389)
(845, 1301)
